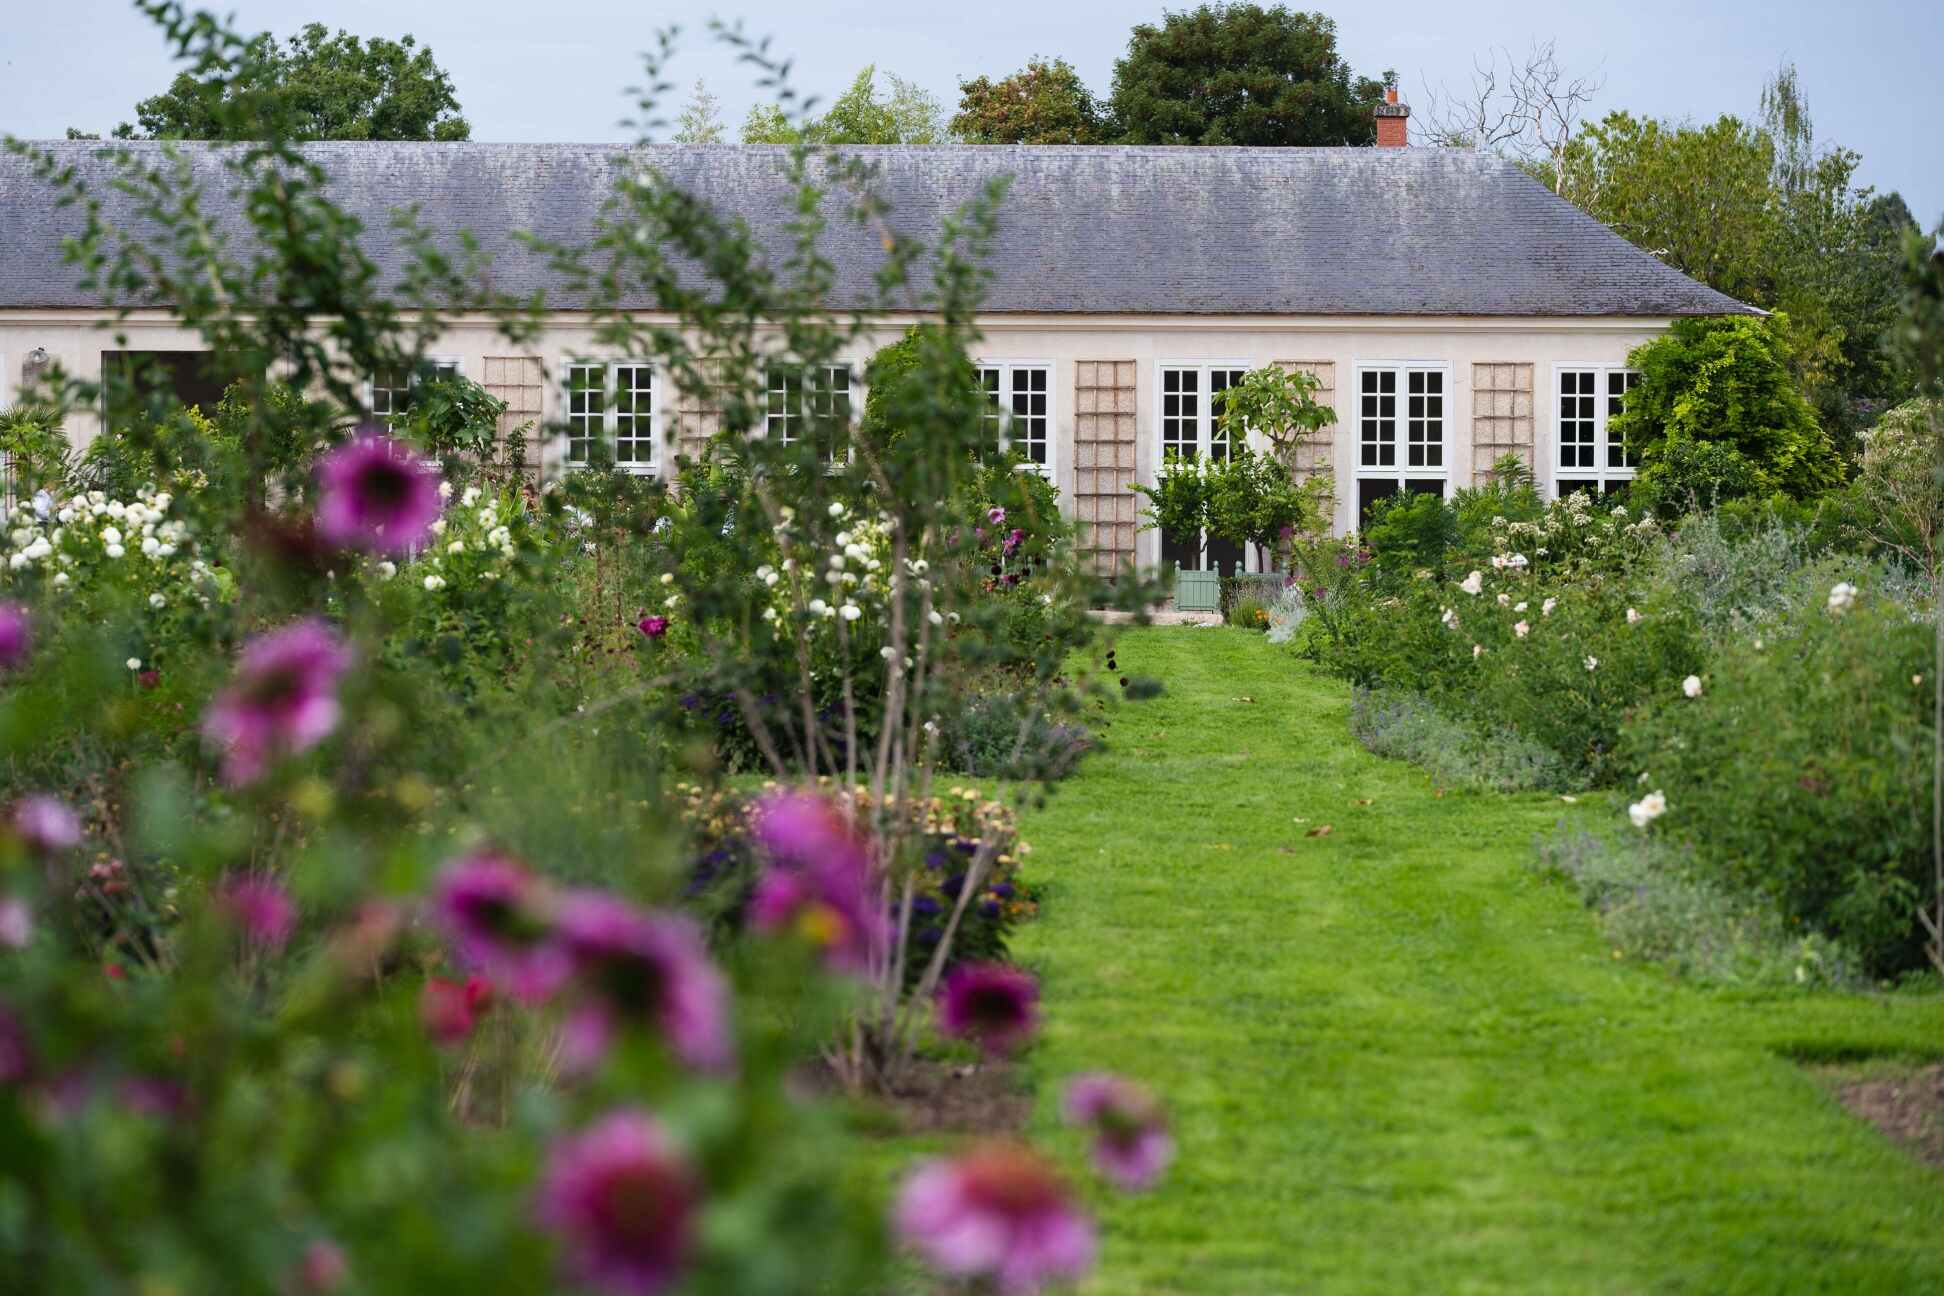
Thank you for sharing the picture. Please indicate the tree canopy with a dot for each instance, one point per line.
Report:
(1240, 74)
(318, 86)
(1042, 103)
(908, 115)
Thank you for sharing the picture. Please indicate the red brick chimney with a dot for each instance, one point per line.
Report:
(1393, 121)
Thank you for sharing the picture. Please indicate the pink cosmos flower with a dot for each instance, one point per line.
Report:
(283, 700)
(323, 1269)
(16, 923)
(376, 494)
(450, 1010)
(996, 1212)
(498, 917)
(16, 634)
(46, 825)
(262, 908)
(653, 626)
(1131, 1142)
(996, 515)
(622, 1198)
(647, 968)
(820, 881)
(995, 1006)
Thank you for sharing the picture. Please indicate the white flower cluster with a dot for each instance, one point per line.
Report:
(836, 581)
(471, 544)
(90, 540)
(1647, 809)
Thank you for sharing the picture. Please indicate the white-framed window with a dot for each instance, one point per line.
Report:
(811, 401)
(389, 393)
(1403, 430)
(1191, 410)
(1588, 456)
(611, 403)
(1019, 408)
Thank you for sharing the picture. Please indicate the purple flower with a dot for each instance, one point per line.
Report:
(45, 824)
(375, 493)
(1014, 538)
(995, 1006)
(283, 700)
(996, 1212)
(653, 626)
(622, 1198)
(153, 1096)
(16, 634)
(651, 969)
(996, 515)
(1131, 1142)
(262, 908)
(498, 918)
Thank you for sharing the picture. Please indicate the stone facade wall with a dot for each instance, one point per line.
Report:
(1105, 441)
(1502, 417)
(520, 381)
(1316, 453)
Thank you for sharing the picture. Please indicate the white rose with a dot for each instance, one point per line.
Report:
(851, 611)
(1633, 617)
(387, 568)
(1592, 664)
(114, 551)
(456, 547)
(1691, 686)
(133, 663)
(435, 582)
(156, 601)
(1473, 583)
(1522, 629)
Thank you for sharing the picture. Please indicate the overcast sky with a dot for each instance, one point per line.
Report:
(556, 69)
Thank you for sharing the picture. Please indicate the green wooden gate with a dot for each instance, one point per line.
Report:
(1197, 591)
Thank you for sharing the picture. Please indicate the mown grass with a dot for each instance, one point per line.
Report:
(1399, 1060)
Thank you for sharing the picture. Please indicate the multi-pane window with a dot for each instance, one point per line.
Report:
(1593, 456)
(611, 403)
(1018, 412)
(813, 402)
(1192, 399)
(1401, 423)
(1191, 411)
(391, 389)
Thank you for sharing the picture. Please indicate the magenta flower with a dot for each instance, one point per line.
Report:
(996, 515)
(375, 493)
(498, 917)
(283, 700)
(820, 883)
(262, 908)
(45, 824)
(1014, 538)
(16, 923)
(653, 626)
(652, 969)
(1131, 1142)
(622, 1198)
(16, 634)
(996, 1212)
(995, 1006)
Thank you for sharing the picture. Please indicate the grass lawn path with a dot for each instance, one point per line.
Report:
(1399, 1061)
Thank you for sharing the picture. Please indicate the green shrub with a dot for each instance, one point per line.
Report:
(1801, 772)
(1651, 909)
(1693, 476)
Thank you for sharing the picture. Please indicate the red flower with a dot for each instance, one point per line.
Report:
(450, 1009)
(653, 626)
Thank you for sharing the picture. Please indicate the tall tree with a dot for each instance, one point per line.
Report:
(1524, 108)
(318, 86)
(700, 121)
(1240, 74)
(1043, 103)
(910, 114)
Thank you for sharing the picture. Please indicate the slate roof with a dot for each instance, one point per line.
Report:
(1089, 230)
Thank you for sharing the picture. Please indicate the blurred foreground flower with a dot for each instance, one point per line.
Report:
(262, 908)
(46, 825)
(995, 1006)
(1647, 809)
(283, 700)
(1131, 1142)
(621, 1197)
(451, 1009)
(497, 916)
(650, 969)
(16, 635)
(819, 882)
(999, 1213)
(375, 493)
